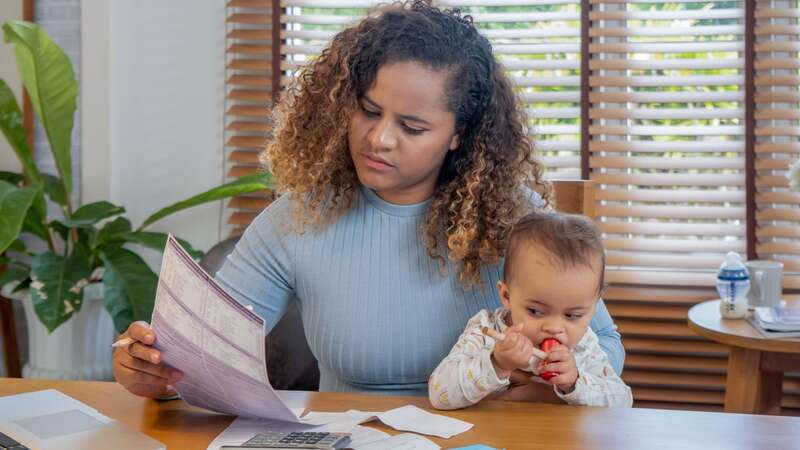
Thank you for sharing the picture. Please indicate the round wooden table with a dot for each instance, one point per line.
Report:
(755, 364)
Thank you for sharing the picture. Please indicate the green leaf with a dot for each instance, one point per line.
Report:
(157, 241)
(57, 285)
(17, 246)
(34, 222)
(88, 215)
(130, 287)
(12, 125)
(22, 286)
(60, 228)
(244, 185)
(115, 232)
(14, 205)
(87, 236)
(48, 76)
(11, 177)
(13, 273)
(54, 189)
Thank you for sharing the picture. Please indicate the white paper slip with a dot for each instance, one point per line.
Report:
(351, 416)
(411, 418)
(360, 436)
(405, 441)
(406, 418)
(216, 342)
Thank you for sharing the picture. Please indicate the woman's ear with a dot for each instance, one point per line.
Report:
(455, 142)
(505, 296)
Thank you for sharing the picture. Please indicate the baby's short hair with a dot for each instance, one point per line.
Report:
(571, 240)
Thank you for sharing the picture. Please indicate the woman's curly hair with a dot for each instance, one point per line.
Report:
(480, 192)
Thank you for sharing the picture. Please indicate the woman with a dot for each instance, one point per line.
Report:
(405, 160)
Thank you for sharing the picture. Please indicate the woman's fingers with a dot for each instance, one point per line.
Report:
(141, 331)
(150, 390)
(134, 377)
(138, 366)
(144, 352)
(156, 370)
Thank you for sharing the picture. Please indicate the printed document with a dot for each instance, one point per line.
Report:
(215, 341)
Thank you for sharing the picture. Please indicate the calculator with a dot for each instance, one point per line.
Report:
(299, 440)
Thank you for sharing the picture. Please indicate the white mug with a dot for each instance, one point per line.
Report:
(766, 278)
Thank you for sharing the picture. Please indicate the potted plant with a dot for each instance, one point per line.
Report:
(75, 273)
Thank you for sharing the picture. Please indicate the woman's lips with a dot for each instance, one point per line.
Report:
(375, 163)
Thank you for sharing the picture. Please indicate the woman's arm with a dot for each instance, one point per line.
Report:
(259, 271)
(603, 326)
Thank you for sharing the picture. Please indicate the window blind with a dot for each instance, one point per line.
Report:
(249, 98)
(666, 144)
(777, 131)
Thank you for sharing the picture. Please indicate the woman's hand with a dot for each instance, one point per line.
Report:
(138, 366)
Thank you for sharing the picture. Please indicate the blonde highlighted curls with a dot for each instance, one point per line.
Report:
(481, 191)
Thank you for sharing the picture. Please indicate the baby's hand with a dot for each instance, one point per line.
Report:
(513, 352)
(561, 360)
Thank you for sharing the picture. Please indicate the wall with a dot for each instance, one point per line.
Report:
(154, 92)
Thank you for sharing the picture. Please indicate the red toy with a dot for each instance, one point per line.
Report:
(547, 345)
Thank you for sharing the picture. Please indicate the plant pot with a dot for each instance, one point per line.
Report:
(79, 349)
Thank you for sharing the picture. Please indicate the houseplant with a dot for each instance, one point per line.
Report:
(52, 260)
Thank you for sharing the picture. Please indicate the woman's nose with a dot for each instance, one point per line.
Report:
(381, 137)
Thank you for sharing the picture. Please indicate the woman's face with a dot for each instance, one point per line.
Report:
(401, 132)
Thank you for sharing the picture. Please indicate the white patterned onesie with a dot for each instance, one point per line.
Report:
(467, 374)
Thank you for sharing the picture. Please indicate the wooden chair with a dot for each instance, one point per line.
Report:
(574, 196)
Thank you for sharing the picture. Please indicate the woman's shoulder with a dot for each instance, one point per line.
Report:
(277, 216)
(532, 198)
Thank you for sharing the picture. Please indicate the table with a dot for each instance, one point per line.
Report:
(509, 425)
(755, 364)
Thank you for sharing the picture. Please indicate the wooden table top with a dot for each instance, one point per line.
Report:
(705, 320)
(509, 425)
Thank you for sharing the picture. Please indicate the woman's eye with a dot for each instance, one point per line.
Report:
(412, 130)
(370, 113)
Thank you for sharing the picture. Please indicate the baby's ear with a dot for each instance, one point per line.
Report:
(502, 292)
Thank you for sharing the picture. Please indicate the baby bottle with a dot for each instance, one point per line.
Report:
(733, 282)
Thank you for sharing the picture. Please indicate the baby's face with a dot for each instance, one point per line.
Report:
(549, 300)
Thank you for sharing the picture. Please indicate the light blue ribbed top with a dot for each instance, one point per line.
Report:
(378, 313)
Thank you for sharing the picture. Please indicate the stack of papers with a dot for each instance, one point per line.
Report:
(777, 322)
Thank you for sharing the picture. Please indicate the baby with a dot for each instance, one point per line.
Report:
(552, 278)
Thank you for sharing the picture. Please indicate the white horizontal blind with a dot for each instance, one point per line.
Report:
(777, 131)
(538, 41)
(667, 149)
